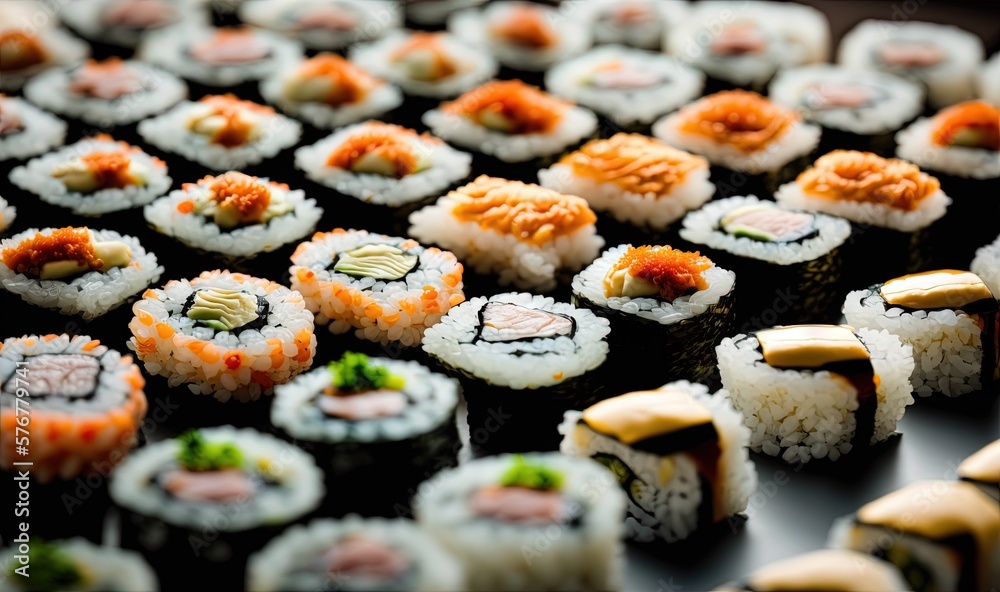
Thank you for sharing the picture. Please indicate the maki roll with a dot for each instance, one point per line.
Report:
(7, 214)
(426, 64)
(521, 35)
(989, 81)
(797, 254)
(108, 92)
(125, 22)
(511, 121)
(493, 512)
(986, 265)
(76, 270)
(817, 391)
(949, 317)
(360, 415)
(638, 180)
(524, 233)
(945, 59)
(26, 131)
(387, 289)
(95, 176)
(638, 23)
(204, 501)
(523, 360)
(982, 468)
(962, 140)
(384, 164)
(680, 301)
(323, 24)
(74, 564)
(832, 570)
(356, 553)
(225, 334)
(30, 50)
(221, 132)
(942, 535)
(858, 109)
(631, 87)
(678, 452)
(328, 91)
(234, 214)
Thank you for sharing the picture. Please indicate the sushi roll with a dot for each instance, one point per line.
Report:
(328, 91)
(224, 334)
(637, 179)
(945, 59)
(678, 452)
(76, 270)
(94, 176)
(323, 24)
(809, 392)
(27, 131)
(833, 570)
(643, 24)
(359, 416)
(989, 81)
(221, 132)
(106, 93)
(125, 22)
(631, 87)
(521, 35)
(523, 233)
(534, 522)
(511, 121)
(74, 564)
(234, 214)
(387, 289)
(384, 164)
(949, 317)
(986, 265)
(426, 64)
(962, 140)
(523, 360)
(356, 553)
(941, 535)
(29, 50)
(798, 255)
(7, 214)
(435, 12)
(858, 109)
(202, 502)
(982, 468)
(668, 308)
(219, 57)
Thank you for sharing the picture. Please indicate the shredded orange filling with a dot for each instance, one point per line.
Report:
(525, 25)
(674, 272)
(531, 213)
(634, 162)
(110, 169)
(442, 66)
(349, 84)
(245, 195)
(63, 244)
(528, 109)
(739, 118)
(978, 118)
(849, 175)
(237, 128)
(384, 140)
(20, 50)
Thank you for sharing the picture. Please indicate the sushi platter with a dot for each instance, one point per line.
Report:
(439, 295)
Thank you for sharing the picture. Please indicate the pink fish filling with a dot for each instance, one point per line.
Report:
(829, 96)
(518, 504)
(330, 17)
(778, 223)
(230, 46)
(911, 54)
(360, 556)
(625, 77)
(739, 39)
(139, 14)
(367, 405)
(9, 121)
(65, 375)
(229, 485)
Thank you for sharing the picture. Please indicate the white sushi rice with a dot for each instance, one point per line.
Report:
(371, 19)
(896, 100)
(169, 132)
(473, 27)
(105, 568)
(803, 415)
(989, 80)
(589, 284)
(431, 402)
(947, 344)
(664, 512)
(680, 84)
(90, 294)
(951, 81)
(502, 555)
(646, 34)
(61, 48)
(201, 232)
(168, 48)
(36, 177)
(445, 167)
(376, 103)
(7, 214)
(530, 364)
(915, 145)
(86, 17)
(287, 562)
(40, 131)
(702, 227)
(160, 91)
(986, 265)
(298, 491)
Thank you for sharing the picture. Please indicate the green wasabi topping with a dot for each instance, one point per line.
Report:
(51, 569)
(196, 454)
(533, 476)
(352, 373)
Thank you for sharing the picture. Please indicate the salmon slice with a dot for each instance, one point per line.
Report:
(364, 405)
(848, 175)
(972, 124)
(230, 485)
(742, 119)
(503, 321)
(361, 556)
(518, 504)
(510, 106)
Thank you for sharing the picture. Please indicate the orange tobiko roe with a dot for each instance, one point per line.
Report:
(978, 116)
(527, 107)
(237, 129)
(63, 244)
(674, 272)
(385, 140)
(848, 175)
(443, 66)
(742, 119)
(109, 168)
(526, 26)
(247, 195)
(350, 84)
